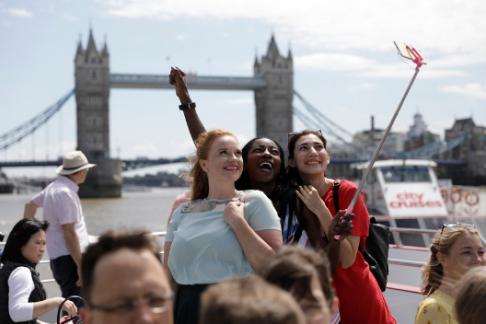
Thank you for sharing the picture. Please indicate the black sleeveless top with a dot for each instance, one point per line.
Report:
(38, 294)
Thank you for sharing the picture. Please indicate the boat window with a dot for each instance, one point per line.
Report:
(406, 174)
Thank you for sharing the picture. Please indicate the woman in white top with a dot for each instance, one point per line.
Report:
(221, 233)
(22, 296)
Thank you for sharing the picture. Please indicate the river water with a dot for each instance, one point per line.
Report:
(136, 209)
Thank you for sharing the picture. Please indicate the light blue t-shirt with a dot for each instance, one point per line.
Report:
(205, 249)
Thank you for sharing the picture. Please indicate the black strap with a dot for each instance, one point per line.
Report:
(335, 194)
(335, 197)
(187, 106)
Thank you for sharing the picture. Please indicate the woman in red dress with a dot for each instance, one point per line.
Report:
(360, 298)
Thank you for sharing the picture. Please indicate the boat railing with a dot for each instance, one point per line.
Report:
(44, 262)
(392, 261)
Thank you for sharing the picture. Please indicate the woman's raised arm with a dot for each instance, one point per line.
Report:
(177, 78)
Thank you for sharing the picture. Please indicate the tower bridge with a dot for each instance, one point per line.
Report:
(272, 84)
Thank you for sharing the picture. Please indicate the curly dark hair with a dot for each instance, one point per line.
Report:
(244, 181)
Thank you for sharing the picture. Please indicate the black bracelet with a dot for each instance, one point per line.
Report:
(186, 106)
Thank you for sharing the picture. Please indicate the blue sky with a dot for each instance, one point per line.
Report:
(345, 63)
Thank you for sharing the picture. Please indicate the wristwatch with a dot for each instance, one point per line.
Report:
(187, 106)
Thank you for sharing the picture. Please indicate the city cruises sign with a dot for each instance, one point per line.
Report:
(414, 200)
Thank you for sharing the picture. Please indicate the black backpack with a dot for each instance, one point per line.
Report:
(376, 250)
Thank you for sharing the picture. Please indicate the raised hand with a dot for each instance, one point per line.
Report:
(312, 200)
(177, 78)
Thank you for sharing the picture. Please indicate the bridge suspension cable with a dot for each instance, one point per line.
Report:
(27, 128)
(318, 120)
(320, 116)
(312, 123)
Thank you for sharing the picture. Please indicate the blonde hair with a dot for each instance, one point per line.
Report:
(200, 184)
(432, 272)
(469, 304)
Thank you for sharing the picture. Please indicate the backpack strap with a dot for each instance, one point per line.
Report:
(335, 194)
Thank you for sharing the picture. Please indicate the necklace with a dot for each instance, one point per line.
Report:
(207, 204)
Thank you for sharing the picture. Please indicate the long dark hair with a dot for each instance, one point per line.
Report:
(244, 182)
(21, 233)
(303, 214)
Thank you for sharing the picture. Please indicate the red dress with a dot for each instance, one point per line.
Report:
(360, 297)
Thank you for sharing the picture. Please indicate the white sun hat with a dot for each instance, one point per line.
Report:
(73, 162)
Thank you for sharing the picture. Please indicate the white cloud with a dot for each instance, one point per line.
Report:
(444, 26)
(366, 67)
(335, 31)
(405, 71)
(474, 90)
(19, 12)
(458, 59)
(333, 62)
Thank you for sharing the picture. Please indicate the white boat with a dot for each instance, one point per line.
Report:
(407, 196)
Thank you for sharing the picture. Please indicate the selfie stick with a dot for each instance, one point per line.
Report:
(412, 54)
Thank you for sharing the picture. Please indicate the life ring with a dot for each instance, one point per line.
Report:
(456, 195)
(471, 198)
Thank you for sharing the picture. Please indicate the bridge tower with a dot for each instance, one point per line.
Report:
(92, 79)
(274, 102)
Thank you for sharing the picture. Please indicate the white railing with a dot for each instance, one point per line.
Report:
(46, 261)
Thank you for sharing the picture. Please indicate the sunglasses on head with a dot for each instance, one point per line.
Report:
(456, 226)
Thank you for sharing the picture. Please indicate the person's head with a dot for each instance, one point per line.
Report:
(319, 260)
(75, 166)
(308, 156)
(248, 300)
(124, 280)
(455, 249)
(293, 270)
(263, 161)
(469, 303)
(218, 161)
(26, 242)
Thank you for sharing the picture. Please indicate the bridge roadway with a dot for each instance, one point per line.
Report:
(127, 164)
(155, 81)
